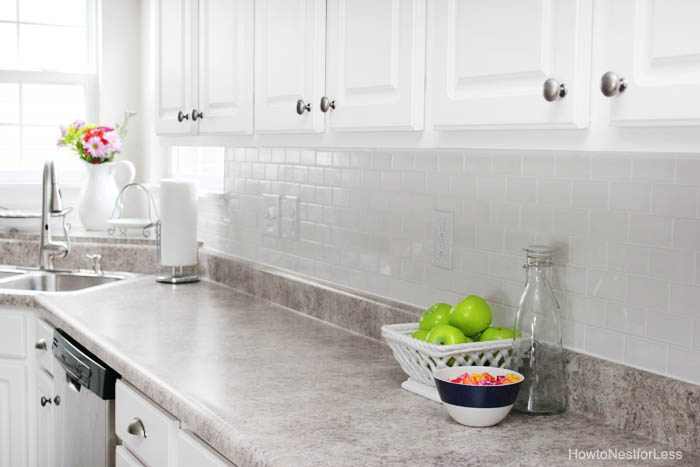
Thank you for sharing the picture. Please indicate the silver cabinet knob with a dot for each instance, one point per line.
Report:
(611, 84)
(136, 428)
(57, 400)
(182, 116)
(553, 91)
(45, 400)
(327, 104)
(301, 107)
(41, 345)
(197, 115)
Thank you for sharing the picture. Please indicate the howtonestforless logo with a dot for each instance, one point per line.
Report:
(624, 454)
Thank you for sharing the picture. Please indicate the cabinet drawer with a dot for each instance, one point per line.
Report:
(159, 427)
(42, 346)
(125, 459)
(191, 451)
(13, 332)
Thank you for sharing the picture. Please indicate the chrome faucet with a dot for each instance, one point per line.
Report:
(51, 203)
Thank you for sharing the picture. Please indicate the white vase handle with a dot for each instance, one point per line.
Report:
(132, 170)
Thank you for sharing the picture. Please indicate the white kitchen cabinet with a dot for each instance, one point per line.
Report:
(204, 69)
(655, 47)
(375, 64)
(488, 62)
(173, 84)
(192, 451)
(13, 414)
(44, 393)
(290, 47)
(225, 62)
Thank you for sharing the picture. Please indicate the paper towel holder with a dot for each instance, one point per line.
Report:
(177, 275)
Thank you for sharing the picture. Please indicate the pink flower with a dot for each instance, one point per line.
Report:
(78, 124)
(95, 147)
(60, 143)
(64, 131)
(113, 141)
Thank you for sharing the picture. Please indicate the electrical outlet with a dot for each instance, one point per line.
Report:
(290, 217)
(443, 238)
(271, 215)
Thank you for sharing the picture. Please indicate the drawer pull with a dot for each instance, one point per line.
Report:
(45, 400)
(136, 428)
(41, 345)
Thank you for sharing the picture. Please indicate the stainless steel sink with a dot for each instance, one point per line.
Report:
(43, 281)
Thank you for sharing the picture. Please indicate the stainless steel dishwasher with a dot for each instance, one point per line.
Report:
(84, 419)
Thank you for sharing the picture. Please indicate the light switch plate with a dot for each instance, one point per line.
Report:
(289, 220)
(271, 215)
(443, 238)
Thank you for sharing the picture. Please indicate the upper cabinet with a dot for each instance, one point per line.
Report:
(173, 84)
(204, 69)
(375, 65)
(596, 75)
(649, 61)
(501, 64)
(290, 51)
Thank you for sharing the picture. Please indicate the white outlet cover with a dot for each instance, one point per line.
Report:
(289, 220)
(270, 215)
(443, 238)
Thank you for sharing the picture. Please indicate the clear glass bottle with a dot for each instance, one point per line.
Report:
(537, 350)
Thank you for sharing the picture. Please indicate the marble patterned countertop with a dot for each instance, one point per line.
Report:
(267, 386)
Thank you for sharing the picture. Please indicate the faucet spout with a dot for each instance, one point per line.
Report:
(51, 203)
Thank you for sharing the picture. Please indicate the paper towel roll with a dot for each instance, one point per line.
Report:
(178, 222)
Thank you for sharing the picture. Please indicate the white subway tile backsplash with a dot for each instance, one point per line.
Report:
(634, 197)
(670, 328)
(646, 354)
(650, 230)
(607, 344)
(675, 200)
(626, 231)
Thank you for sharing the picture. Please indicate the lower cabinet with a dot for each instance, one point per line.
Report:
(45, 402)
(152, 437)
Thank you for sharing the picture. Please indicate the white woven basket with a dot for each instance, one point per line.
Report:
(418, 359)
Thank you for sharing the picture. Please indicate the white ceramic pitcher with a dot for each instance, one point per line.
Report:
(99, 193)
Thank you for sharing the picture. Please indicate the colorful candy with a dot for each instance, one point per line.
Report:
(486, 379)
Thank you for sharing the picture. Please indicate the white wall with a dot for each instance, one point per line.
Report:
(627, 231)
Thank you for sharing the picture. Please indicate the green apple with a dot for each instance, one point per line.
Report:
(434, 316)
(444, 334)
(494, 333)
(420, 334)
(472, 315)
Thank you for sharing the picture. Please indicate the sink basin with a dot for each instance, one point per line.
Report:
(4, 274)
(43, 281)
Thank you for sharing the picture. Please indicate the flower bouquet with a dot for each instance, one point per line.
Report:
(95, 144)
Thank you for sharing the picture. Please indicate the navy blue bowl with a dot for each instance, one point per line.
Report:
(476, 405)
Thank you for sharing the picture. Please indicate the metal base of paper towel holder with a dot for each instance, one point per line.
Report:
(177, 277)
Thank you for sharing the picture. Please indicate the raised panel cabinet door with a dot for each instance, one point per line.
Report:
(45, 454)
(173, 67)
(13, 414)
(375, 64)
(225, 67)
(655, 46)
(290, 46)
(489, 61)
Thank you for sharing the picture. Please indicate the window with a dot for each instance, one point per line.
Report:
(47, 78)
(204, 164)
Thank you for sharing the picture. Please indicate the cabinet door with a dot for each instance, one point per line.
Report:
(226, 66)
(289, 65)
(192, 451)
(375, 64)
(488, 62)
(655, 46)
(174, 72)
(13, 414)
(45, 454)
